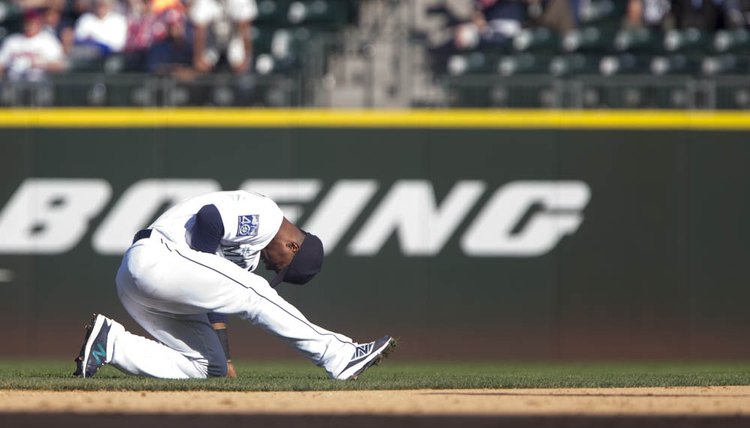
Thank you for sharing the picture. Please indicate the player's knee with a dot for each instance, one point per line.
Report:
(217, 369)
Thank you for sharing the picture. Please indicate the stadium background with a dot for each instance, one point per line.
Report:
(654, 271)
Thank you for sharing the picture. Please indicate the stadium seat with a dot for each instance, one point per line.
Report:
(674, 64)
(536, 40)
(732, 41)
(602, 13)
(688, 40)
(262, 37)
(331, 14)
(725, 64)
(272, 12)
(588, 39)
(572, 64)
(524, 63)
(624, 64)
(470, 63)
(638, 40)
(11, 18)
(317, 12)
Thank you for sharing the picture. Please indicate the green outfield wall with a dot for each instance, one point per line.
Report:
(467, 234)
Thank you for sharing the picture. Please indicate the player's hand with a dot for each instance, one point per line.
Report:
(221, 331)
(231, 371)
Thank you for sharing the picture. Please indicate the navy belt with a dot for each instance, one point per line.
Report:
(142, 234)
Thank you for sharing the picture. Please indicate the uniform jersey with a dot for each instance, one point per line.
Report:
(250, 221)
(110, 31)
(21, 55)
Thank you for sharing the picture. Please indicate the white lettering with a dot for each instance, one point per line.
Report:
(341, 206)
(520, 219)
(138, 205)
(561, 203)
(49, 216)
(410, 210)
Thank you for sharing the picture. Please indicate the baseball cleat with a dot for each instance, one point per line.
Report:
(79, 359)
(93, 353)
(367, 355)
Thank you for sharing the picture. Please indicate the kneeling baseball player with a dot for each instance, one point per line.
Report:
(194, 266)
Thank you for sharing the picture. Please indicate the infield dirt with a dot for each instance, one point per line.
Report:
(677, 406)
(728, 400)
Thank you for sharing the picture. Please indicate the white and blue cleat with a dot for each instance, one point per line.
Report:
(365, 356)
(93, 354)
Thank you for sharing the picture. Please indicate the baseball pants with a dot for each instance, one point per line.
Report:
(169, 290)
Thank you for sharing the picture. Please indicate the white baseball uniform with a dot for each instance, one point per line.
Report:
(168, 288)
(21, 55)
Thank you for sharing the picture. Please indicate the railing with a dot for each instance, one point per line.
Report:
(599, 92)
(139, 90)
(478, 91)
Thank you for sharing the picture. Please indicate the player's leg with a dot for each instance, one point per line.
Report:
(186, 281)
(187, 346)
(107, 342)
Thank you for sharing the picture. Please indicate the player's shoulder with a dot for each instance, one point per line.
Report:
(239, 197)
(250, 197)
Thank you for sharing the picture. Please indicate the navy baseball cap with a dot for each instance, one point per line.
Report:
(305, 264)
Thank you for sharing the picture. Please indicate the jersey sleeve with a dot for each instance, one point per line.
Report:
(208, 229)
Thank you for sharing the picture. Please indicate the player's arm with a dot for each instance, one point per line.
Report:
(219, 324)
(206, 235)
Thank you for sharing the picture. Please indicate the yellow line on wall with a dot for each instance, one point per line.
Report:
(418, 119)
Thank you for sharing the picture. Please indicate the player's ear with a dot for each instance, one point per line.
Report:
(293, 246)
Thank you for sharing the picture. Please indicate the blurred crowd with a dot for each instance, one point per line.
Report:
(495, 23)
(183, 39)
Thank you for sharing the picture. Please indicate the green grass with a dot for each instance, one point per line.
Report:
(302, 376)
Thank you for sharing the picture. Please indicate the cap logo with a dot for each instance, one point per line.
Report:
(247, 225)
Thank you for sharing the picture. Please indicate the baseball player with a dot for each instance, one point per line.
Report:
(198, 259)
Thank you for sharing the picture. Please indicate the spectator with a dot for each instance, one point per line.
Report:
(166, 13)
(558, 15)
(33, 54)
(647, 13)
(141, 27)
(103, 31)
(491, 24)
(219, 17)
(737, 13)
(173, 54)
(73, 9)
(31, 4)
(56, 22)
(705, 15)
(494, 22)
(148, 23)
